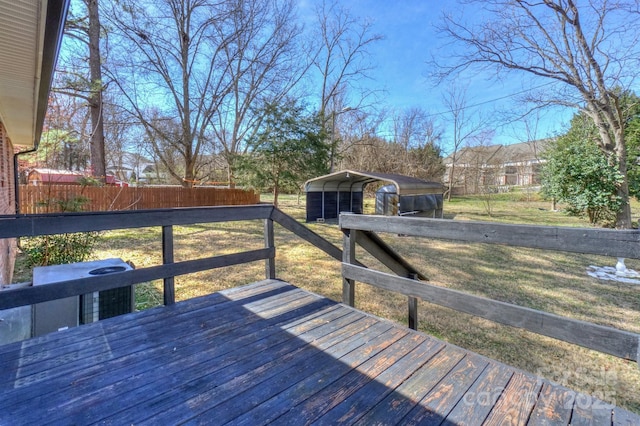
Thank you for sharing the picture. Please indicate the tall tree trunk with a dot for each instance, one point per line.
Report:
(276, 193)
(95, 103)
(623, 216)
(451, 177)
(608, 121)
(189, 179)
(231, 173)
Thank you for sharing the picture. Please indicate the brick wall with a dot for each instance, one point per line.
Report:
(7, 205)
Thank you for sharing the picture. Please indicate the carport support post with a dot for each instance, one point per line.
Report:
(413, 308)
(349, 256)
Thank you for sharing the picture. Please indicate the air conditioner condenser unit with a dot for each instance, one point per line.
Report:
(72, 311)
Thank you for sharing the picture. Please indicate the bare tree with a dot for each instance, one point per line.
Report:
(341, 59)
(96, 87)
(209, 64)
(355, 131)
(466, 125)
(484, 163)
(412, 127)
(121, 134)
(171, 71)
(529, 170)
(82, 44)
(419, 136)
(590, 50)
(375, 154)
(412, 150)
(263, 64)
(64, 143)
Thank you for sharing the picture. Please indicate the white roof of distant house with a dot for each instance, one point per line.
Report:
(502, 154)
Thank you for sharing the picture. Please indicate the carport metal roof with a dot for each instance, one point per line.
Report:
(351, 180)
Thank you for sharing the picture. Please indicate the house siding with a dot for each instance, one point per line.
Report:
(495, 165)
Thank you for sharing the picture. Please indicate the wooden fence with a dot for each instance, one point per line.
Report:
(49, 198)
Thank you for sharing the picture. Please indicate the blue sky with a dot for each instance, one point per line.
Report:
(402, 69)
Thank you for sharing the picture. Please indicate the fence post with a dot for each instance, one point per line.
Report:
(349, 256)
(270, 263)
(167, 258)
(413, 307)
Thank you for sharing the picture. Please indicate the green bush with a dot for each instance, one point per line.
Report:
(577, 173)
(58, 249)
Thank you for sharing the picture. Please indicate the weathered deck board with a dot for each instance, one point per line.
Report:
(553, 406)
(313, 381)
(353, 407)
(177, 363)
(257, 373)
(404, 398)
(77, 354)
(271, 353)
(516, 402)
(443, 398)
(476, 404)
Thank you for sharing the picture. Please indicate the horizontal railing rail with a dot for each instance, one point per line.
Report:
(614, 243)
(57, 223)
(605, 242)
(37, 294)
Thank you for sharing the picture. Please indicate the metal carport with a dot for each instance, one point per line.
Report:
(343, 191)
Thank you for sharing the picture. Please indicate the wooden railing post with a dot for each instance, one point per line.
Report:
(413, 307)
(269, 242)
(167, 257)
(349, 256)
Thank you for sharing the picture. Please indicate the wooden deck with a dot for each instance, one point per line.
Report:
(271, 353)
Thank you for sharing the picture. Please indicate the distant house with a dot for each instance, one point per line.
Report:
(41, 176)
(474, 168)
(521, 163)
(53, 177)
(135, 168)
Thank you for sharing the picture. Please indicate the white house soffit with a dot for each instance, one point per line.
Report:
(22, 25)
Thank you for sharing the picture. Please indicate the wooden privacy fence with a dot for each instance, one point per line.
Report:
(48, 198)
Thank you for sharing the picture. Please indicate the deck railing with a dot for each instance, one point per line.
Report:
(358, 229)
(606, 242)
(35, 225)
